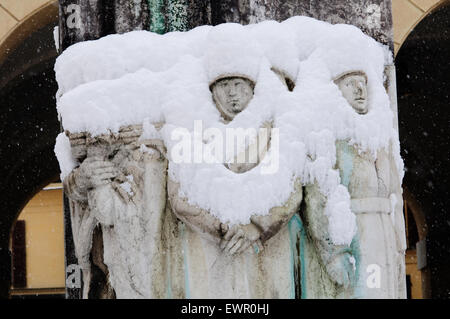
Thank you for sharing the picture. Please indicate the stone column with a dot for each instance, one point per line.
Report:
(99, 18)
(82, 20)
(374, 17)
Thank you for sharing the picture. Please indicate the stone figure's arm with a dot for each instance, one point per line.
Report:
(390, 181)
(279, 216)
(92, 171)
(394, 189)
(74, 187)
(89, 184)
(198, 219)
(83, 238)
(82, 226)
(261, 228)
(399, 220)
(335, 258)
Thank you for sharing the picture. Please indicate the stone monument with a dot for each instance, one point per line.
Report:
(138, 234)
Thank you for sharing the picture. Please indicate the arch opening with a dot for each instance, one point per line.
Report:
(28, 128)
(423, 88)
(37, 247)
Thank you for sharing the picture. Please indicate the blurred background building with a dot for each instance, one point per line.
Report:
(31, 217)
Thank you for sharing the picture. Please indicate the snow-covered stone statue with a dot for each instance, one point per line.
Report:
(239, 260)
(376, 200)
(331, 267)
(233, 162)
(121, 187)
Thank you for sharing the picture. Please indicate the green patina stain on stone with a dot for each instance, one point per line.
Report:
(345, 158)
(346, 154)
(356, 253)
(157, 16)
(168, 15)
(297, 236)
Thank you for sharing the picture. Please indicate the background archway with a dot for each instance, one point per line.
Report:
(423, 85)
(28, 118)
(407, 14)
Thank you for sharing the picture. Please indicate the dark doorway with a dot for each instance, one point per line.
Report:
(423, 83)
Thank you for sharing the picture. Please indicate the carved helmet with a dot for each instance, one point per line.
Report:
(232, 52)
(347, 73)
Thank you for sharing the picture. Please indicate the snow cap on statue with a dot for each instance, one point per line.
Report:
(279, 46)
(232, 52)
(347, 50)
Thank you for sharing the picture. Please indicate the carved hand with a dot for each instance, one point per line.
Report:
(341, 269)
(94, 172)
(239, 237)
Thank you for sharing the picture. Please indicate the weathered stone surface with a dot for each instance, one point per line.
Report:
(83, 20)
(178, 15)
(131, 15)
(372, 16)
(99, 18)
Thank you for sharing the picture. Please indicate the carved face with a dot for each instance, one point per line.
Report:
(354, 89)
(232, 95)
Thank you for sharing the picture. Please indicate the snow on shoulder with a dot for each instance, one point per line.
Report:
(141, 77)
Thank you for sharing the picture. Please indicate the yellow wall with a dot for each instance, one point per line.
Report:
(416, 274)
(43, 216)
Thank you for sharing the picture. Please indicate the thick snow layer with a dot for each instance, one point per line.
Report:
(142, 77)
(64, 155)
